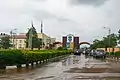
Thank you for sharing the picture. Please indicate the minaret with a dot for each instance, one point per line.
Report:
(41, 27)
(32, 24)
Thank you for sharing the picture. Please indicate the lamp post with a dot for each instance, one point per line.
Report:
(109, 32)
(12, 36)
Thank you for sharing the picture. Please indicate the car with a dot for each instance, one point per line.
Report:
(77, 52)
(99, 54)
(92, 52)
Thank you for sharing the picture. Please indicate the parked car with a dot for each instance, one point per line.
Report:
(92, 52)
(99, 54)
(77, 52)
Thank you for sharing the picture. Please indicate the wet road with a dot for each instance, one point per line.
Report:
(70, 68)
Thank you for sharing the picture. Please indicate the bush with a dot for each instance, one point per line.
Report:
(16, 57)
(61, 48)
(114, 53)
(117, 53)
(11, 57)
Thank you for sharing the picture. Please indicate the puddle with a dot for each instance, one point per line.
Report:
(42, 78)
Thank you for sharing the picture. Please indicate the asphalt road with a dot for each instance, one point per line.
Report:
(70, 68)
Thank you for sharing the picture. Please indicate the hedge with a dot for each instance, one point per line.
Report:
(17, 57)
(117, 54)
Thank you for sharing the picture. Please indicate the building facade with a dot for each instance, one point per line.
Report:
(19, 41)
(46, 40)
(57, 45)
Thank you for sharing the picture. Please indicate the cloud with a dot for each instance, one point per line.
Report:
(60, 18)
(44, 15)
(88, 2)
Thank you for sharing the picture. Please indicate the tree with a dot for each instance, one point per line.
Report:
(104, 43)
(118, 38)
(5, 42)
(36, 42)
(39, 43)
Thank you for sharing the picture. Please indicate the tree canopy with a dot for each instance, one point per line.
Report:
(5, 42)
(108, 41)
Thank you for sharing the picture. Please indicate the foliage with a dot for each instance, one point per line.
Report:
(15, 57)
(109, 41)
(119, 36)
(117, 54)
(61, 48)
(11, 57)
(5, 42)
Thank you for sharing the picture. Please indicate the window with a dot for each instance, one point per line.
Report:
(20, 41)
(20, 45)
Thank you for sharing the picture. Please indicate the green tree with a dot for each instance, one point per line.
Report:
(118, 37)
(104, 43)
(110, 40)
(36, 42)
(5, 42)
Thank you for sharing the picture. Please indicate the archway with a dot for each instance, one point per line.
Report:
(84, 43)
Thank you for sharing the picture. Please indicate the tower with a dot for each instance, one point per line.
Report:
(41, 27)
(64, 41)
(76, 42)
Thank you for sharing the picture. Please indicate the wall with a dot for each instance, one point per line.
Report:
(46, 39)
(20, 43)
(111, 49)
(64, 41)
(76, 42)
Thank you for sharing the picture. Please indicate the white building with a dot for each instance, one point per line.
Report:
(46, 40)
(18, 41)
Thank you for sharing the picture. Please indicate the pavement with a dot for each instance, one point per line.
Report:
(70, 68)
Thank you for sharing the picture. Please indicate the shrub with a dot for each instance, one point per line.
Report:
(117, 53)
(16, 57)
(61, 48)
(11, 57)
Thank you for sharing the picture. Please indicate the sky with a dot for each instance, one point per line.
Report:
(83, 18)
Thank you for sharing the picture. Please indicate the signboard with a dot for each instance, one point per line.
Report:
(70, 38)
(67, 45)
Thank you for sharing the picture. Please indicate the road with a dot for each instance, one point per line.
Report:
(70, 68)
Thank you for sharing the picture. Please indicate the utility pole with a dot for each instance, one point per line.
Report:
(109, 39)
(109, 32)
(42, 34)
(12, 37)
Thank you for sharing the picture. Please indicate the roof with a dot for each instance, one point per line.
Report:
(21, 36)
(57, 43)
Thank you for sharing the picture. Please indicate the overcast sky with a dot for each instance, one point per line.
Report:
(83, 18)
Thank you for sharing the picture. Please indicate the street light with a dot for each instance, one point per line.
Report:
(109, 32)
(12, 36)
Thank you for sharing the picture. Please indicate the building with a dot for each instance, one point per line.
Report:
(46, 40)
(57, 45)
(19, 41)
